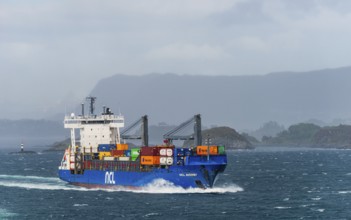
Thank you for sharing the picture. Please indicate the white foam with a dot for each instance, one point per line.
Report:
(318, 210)
(158, 186)
(282, 207)
(35, 182)
(80, 205)
(344, 192)
(5, 213)
(29, 177)
(152, 214)
(165, 187)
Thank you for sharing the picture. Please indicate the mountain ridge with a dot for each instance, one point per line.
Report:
(243, 102)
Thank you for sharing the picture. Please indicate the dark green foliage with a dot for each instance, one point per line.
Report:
(339, 136)
(299, 134)
(224, 136)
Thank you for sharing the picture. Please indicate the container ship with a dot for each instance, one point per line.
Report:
(100, 156)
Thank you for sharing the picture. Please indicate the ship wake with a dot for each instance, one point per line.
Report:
(158, 186)
(34, 182)
(161, 186)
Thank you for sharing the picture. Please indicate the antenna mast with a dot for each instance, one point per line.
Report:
(92, 102)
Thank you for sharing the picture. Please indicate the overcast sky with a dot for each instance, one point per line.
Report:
(50, 50)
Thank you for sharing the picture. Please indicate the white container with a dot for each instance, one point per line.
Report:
(72, 158)
(109, 158)
(169, 160)
(123, 158)
(94, 150)
(163, 160)
(163, 152)
(169, 152)
(72, 166)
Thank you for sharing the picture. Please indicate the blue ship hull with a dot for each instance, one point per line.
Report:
(195, 174)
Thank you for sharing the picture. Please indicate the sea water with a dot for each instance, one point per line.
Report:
(265, 183)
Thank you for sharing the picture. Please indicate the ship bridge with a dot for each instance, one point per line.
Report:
(94, 129)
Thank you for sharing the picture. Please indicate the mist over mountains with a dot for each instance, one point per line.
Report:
(258, 105)
(241, 102)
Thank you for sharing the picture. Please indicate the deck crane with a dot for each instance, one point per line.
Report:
(144, 136)
(196, 136)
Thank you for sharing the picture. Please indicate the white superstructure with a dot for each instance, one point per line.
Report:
(94, 129)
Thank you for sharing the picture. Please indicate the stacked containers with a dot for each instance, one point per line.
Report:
(166, 156)
(149, 156)
(203, 150)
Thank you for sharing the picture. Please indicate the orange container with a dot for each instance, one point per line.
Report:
(150, 160)
(201, 150)
(213, 150)
(122, 146)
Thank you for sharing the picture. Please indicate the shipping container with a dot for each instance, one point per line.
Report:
(122, 146)
(163, 160)
(134, 158)
(213, 150)
(135, 152)
(104, 154)
(109, 158)
(150, 160)
(163, 152)
(123, 158)
(127, 153)
(106, 147)
(221, 150)
(150, 151)
(117, 153)
(169, 160)
(169, 152)
(201, 150)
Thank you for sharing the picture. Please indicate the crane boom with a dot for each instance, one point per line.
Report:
(196, 136)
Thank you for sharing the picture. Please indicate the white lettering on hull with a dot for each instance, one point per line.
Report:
(110, 178)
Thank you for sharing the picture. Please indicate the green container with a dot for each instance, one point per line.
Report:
(134, 158)
(221, 150)
(135, 152)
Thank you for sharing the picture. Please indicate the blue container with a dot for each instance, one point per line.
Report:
(127, 153)
(106, 147)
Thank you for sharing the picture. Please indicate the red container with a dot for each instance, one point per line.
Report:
(150, 151)
(117, 153)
